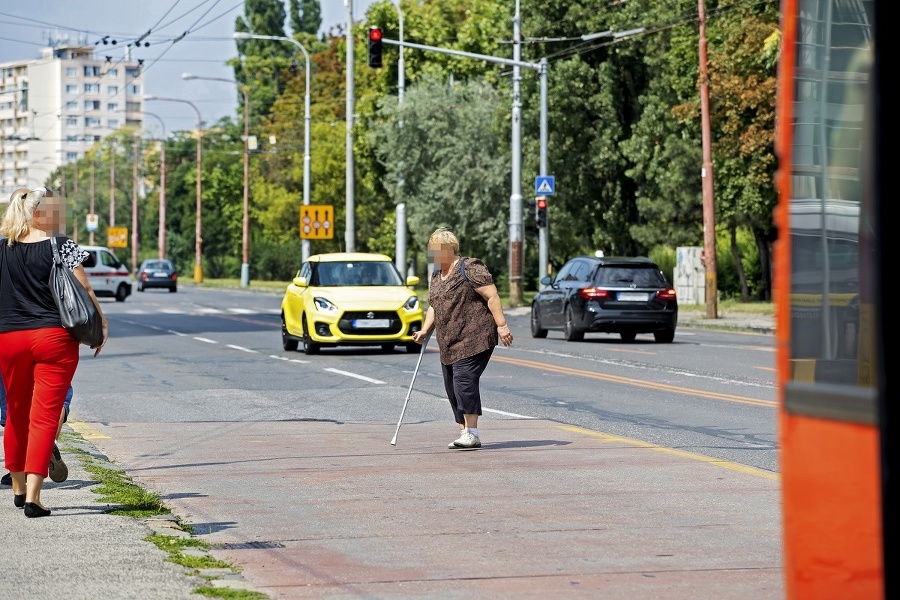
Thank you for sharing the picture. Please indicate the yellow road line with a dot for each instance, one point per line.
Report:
(718, 462)
(87, 431)
(634, 382)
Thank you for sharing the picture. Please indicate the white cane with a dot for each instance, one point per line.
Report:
(408, 393)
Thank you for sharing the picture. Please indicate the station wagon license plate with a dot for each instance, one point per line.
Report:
(633, 296)
(160, 274)
(371, 323)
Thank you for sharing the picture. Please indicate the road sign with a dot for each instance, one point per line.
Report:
(92, 222)
(316, 222)
(117, 237)
(545, 185)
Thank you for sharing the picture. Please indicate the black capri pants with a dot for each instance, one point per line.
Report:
(461, 380)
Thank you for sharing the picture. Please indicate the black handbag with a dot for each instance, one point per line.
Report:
(77, 311)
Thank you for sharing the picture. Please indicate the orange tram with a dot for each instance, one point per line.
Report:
(832, 320)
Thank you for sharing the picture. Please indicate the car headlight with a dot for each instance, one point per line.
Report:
(412, 304)
(324, 305)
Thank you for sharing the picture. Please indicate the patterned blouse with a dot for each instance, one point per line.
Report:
(463, 323)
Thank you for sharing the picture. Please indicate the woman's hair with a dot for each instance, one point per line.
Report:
(444, 237)
(19, 213)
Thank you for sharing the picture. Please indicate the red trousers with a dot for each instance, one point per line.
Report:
(37, 366)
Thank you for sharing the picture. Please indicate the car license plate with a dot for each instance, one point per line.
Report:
(633, 296)
(371, 323)
(160, 274)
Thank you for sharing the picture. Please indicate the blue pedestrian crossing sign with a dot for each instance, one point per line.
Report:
(545, 185)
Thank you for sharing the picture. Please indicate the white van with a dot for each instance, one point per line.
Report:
(108, 275)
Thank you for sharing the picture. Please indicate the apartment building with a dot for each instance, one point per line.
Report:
(54, 108)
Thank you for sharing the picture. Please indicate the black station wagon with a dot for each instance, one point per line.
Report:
(623, 295)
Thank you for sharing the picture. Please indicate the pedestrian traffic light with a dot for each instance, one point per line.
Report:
(375, 47)
(541, 210)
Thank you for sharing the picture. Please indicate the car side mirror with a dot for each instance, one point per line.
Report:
(546, 280)
(300, 282)
(412, 280)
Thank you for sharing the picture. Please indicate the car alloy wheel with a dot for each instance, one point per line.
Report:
(289, 344)
(536, 330)
(309, 347)
(570, 332)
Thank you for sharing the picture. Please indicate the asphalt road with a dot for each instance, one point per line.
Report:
(215, 355)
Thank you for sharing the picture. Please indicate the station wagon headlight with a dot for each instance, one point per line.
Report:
(412, 304)
(324, 305)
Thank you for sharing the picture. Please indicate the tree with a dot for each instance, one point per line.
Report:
(264, 61)
(452, 135)
(306, 16)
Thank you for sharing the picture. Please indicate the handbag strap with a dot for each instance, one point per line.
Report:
(56, 257)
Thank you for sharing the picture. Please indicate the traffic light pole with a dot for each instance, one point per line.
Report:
(515, 208)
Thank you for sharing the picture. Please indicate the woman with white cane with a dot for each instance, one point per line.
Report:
(465, 309)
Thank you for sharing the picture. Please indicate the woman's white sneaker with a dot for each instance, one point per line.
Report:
(467, 440)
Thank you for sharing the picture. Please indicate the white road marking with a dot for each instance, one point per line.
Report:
(172, 311)
(241, 348)
(211, 311)
(507, 414)
(173, 332)
(242, 311)
(207, 340)
(355, 376)
(297, 360)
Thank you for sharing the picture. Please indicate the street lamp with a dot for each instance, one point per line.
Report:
(245, 265)
(198, 243)
(243, 35)
(162, 186)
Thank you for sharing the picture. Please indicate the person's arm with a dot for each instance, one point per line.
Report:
(419, 336)
(489, 293)
(81, 276)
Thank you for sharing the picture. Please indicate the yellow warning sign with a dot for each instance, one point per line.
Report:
(117, 237)
(317, 222)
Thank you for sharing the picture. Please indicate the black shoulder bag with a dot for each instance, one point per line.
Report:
(77, 311)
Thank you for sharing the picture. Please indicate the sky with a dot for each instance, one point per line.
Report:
(206, 25)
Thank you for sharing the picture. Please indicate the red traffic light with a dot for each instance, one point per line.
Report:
(542, 202)
(375, 34)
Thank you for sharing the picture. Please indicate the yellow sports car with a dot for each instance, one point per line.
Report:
(350, 299)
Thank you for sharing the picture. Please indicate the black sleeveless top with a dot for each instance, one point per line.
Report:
(25, 299)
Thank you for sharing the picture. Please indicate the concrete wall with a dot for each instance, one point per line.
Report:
(690, 275)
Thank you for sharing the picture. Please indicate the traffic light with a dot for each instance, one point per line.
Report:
(375, 47)
(541, 205)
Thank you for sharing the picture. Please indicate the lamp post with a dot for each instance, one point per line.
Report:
(162, 187)
(198, 243)
(243, 35)
(245, 265)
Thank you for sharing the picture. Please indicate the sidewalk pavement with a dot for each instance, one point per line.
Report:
(556, 511)
(727, 319)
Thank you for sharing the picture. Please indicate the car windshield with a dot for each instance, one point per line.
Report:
(630, 276)
(157, 264)
(356, 273)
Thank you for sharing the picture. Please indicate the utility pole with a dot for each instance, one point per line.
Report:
(112, 184)
(134, 205)
(91, 233)
(516, 294)
(543, 232)
(350, 217)
(706, 174)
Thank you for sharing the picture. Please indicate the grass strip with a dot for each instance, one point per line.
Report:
(119, 490)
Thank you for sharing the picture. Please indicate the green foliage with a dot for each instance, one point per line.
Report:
(665, 258)
(306, 16)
